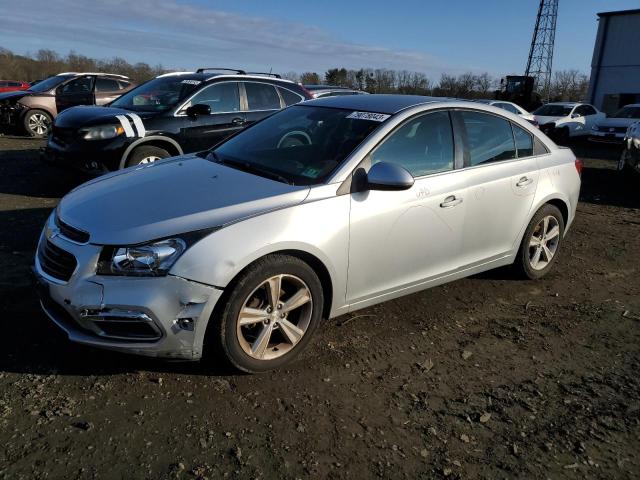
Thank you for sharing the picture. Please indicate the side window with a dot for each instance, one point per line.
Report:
(106, 85)
(524, 141)
(289, 97)
(79, 85)
(262, 96)
(588, 110)
(221, 97)
(509, 108)
(3, 83)
(489, 138)
(423, 145)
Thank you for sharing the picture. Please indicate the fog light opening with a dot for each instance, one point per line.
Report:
(186, 324)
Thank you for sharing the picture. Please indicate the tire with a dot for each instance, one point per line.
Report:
(526, 264)
(146, 154)
(37, 123)
(251, 290)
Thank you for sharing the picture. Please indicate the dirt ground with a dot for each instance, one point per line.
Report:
(487, 377)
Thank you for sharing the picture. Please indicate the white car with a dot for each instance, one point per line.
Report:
(510, 107)
(567, 119)
(614, 129)
(321, 209)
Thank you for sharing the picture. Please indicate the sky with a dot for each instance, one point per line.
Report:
(429, 36)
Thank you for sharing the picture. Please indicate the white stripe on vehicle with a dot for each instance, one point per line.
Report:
(138, 123)
(124, 121)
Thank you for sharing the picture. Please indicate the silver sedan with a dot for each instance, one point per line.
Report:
(321, 209)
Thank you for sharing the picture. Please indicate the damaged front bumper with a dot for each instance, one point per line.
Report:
(157, 316)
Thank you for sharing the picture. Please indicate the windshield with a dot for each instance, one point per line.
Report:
(157, 95)
(49, 83)
(553, 110)
(300, 145)
(628, 112)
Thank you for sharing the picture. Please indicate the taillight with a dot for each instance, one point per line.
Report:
(579, 166)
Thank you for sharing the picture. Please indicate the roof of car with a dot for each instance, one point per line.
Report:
(565, 104)
(93, 73)
(326, 87)
(389, 104)
(204, 76)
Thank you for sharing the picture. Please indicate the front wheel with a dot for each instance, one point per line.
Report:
(541, 243)
(37, 123)
(145, 154)
(270, 315)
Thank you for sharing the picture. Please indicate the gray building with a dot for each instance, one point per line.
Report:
(615, 68)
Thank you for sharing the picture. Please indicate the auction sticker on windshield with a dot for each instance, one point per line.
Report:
(376, 117)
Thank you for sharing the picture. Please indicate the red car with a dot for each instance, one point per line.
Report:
(11, 86)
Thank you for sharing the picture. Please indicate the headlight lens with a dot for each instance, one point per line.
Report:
(152, 259)
(102, 133)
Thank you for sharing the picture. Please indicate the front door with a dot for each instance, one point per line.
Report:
(204, 131)
(78, 91)
(501, 177)
(400, 239)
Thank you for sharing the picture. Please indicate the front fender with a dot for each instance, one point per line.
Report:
(319, 228)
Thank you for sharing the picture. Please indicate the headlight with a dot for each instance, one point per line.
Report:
(102, 133)
(595, 128)
(152, 259)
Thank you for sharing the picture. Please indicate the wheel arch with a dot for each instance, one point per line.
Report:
(159, 141)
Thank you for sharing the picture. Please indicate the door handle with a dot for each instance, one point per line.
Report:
(451, 201)
(524, 181)
(238, 121)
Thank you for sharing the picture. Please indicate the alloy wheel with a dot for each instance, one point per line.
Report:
(39, 124)
(274, 317)
(149, 159)
(544, 242)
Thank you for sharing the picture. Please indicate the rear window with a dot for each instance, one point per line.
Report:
(289, 97)
(106, 85)
(489, 138)
(262, 96)
(553, 110)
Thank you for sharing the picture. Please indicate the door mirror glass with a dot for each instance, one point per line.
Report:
(388, 176)
(575, 115)
(199, 109)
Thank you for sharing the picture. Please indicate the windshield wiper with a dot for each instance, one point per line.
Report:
(250, 168)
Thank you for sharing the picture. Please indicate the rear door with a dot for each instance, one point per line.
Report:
(78, 91)
(262, 99)
(106, 90)
(204, 131)
(501, 176)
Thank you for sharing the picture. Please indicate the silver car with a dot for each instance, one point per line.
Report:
(319, 210)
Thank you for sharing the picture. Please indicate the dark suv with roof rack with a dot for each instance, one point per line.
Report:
(172, 114)
(34, 109)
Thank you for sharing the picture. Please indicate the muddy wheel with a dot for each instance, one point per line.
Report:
(270, 315)
(541, 243)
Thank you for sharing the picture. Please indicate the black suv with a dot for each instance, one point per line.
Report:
(172, 114)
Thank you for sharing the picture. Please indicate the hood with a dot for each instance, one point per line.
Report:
(85, 115)
(15, 95)
(169, 197)
(542, 119)
(616, 122)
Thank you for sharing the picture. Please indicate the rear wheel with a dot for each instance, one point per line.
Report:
(37, 123)
(541, 243)
(270, 315)
(146, 154)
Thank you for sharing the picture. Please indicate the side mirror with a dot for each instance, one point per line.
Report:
(575, 115)
(388, 176)
(198, 109)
